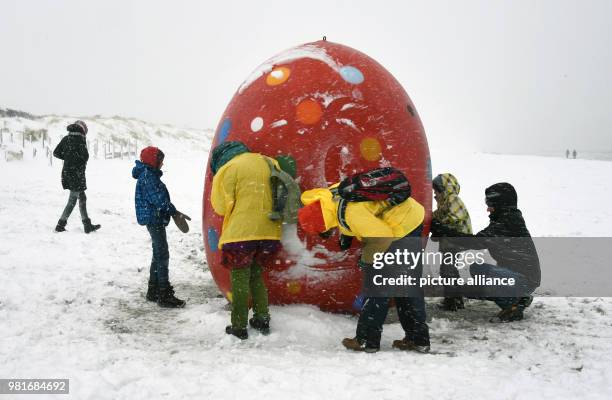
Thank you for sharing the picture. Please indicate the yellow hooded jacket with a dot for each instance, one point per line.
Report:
(373, 222)
(242, 194)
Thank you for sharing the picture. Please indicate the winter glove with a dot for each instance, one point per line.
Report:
(437, 229)
(180, 220)
(363, 265)
(345, 242)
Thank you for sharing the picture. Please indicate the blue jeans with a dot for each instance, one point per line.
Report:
(72, 200)
(522, 286)
(161, 257)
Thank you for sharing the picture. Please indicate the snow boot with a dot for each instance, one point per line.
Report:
(167, 299)
(510, 314)
(452, 304)
(408, 345)
(241, 334)
(87, 225)
(262, 325)
(525, 302)
(359, 345)
(61, 225)
(152, 292)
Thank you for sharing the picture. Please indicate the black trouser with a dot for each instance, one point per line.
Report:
(412, 316)
(72, 200)
(411, 310)
(449, 270)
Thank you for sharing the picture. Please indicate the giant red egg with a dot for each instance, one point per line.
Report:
(335, 111)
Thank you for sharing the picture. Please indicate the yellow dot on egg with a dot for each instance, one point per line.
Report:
(230, 297)
(370, 149)
(294, 287)
(278, 76)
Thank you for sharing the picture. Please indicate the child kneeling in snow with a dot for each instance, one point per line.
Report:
(154, 209)
(509, 243)
(242, 194)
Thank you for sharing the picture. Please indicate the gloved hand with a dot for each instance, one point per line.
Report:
(181, 215)
(180, 220)
(436, 228)
(345, 242)
(363, 265)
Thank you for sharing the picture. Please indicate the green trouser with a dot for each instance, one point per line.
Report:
(244, 279)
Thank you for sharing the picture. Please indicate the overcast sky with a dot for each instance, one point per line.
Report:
(512, 76)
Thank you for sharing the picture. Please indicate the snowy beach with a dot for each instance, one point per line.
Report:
(72, 305)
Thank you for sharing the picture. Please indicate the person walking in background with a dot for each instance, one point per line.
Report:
(567, 153)
(574, 154)
(154, 210)
(242, 194)
(73, 150)
(450, 212)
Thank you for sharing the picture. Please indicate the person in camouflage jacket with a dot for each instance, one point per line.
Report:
(451, 213)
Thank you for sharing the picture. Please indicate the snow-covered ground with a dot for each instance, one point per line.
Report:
(72, 305)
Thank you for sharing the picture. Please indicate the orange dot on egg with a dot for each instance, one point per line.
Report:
(308, 112)
(278, 76)
(294, 287)
(370, 149)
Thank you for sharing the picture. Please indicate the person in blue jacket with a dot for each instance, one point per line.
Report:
(154, 210)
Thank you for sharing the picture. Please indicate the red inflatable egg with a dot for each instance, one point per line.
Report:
(336, 112)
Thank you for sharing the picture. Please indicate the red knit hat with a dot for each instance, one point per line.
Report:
(152, 156)
(311, 219)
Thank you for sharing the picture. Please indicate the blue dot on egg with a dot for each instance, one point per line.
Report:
(225, 130)
(213, 239)
(351, 75)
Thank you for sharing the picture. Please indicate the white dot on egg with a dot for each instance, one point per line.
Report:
(277, 73)
(256, 124)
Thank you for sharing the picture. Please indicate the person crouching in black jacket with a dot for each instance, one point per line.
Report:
(73, 150)
(509, 243)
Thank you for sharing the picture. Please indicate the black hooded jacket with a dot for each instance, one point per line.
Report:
(507, 240)
(73, 150)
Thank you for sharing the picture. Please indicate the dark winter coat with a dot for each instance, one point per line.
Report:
(73, 150)
(153, 205)
(507, 240)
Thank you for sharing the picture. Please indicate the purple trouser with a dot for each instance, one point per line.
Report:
(239, 255)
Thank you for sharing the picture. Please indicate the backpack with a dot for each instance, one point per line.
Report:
(381, 184)
(286, 195)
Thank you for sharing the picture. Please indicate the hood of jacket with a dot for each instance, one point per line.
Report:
(446, 184)
(141, 167)
(224, 152)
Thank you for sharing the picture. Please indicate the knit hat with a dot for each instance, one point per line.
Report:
(311, 219)
(225, 152)
(151, 156)
(77, 126)
(501, 195)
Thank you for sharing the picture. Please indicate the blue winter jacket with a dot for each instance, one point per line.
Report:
(153, 205)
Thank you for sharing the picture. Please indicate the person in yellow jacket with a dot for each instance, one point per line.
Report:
(242, 194)
(380, 228)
